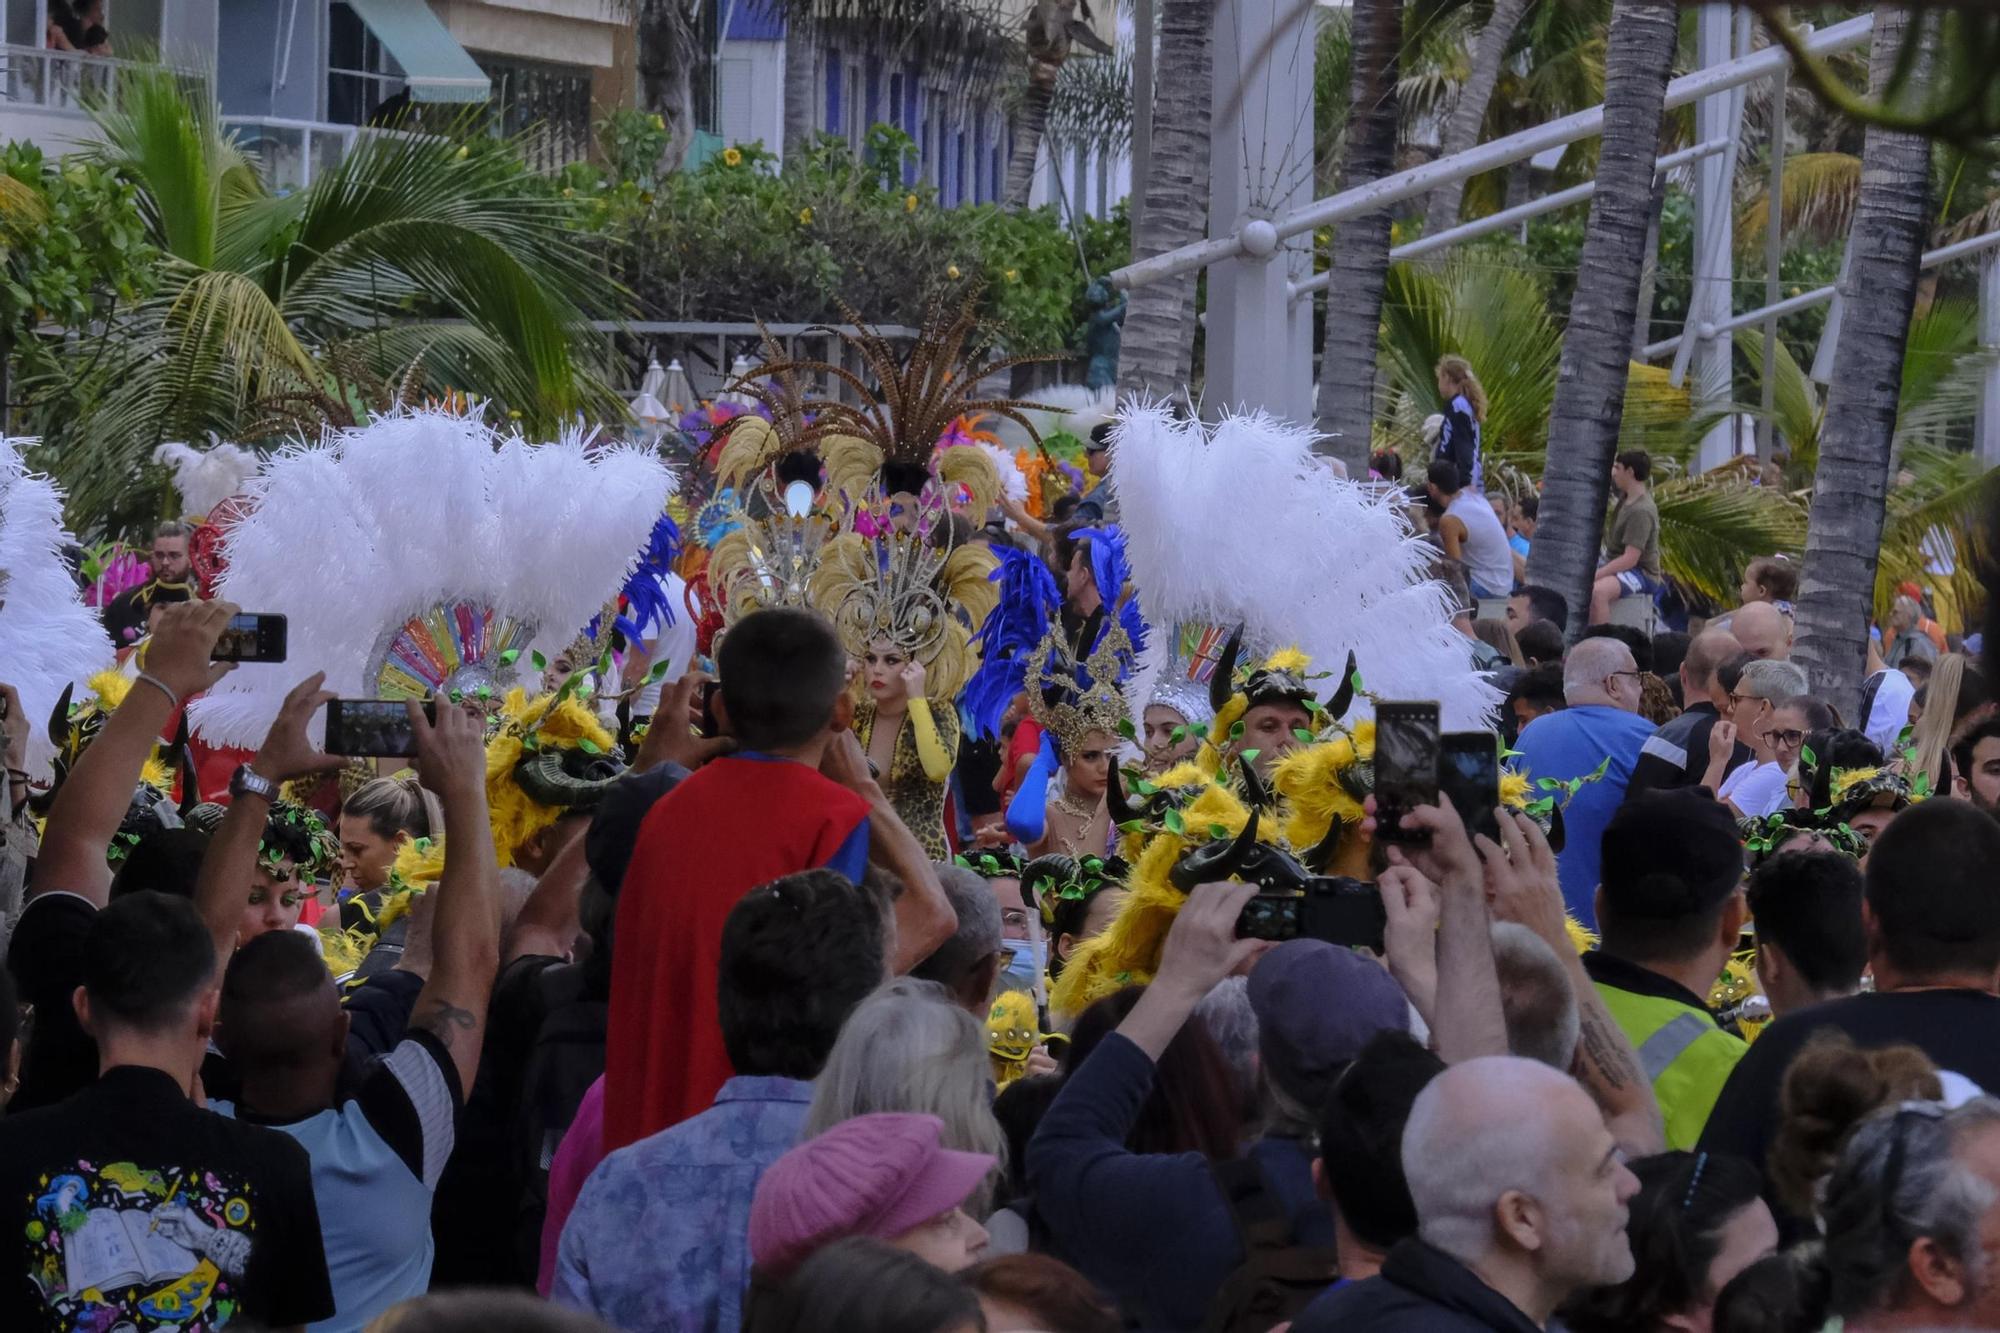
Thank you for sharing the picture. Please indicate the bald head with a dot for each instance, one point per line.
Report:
(1764, 631)
(1509, 1162)
(1710, 649)
(1588, 674)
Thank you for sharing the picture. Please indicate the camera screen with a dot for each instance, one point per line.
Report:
(1406, 759)
(370, 726)
(239, 641)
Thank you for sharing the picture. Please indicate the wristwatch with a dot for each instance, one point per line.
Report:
(246, 782)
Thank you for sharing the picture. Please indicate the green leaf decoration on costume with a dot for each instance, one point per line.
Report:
(1175, 824)
(1236, 732)
(1125, 729)
(1144, 788)
(1304, 737)
(537, 661)
(657, 670)
(1218, 832)
(1177, 735)
(588, 746)
(1807, 757)
(1355, 681)
(1250, 756)
(511, 656)
(1132, 826)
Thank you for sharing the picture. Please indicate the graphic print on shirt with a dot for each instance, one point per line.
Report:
(116, 1246)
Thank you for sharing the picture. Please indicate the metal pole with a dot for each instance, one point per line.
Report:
(1142, 111)
(1519, 214)
(1500, 152)
(1774, 253)
(1989, 339)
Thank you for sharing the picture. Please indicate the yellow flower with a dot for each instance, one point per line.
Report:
(460, 154)
(732, 157)
(805, 217)
(909, 203)
(659, 122)
(952, 273)
(1012, 275)
(568, 193)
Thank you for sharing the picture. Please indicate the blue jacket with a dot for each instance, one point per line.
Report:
(1571, 744)
(1152, 1229)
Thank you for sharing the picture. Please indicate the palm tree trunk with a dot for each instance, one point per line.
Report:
(1649, 276)
(666, 44)
(1360, 259)
(801, 65)
(1590, 383)
(1157, 355)
(1461, 132)
(1844, 530)
(1029, 122)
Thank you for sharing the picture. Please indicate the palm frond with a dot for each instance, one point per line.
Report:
(22, 207)
(1935, 530)
(1820, 192)
(1796, 408)
(164, 134)
(1712, 525)
(1093, 103)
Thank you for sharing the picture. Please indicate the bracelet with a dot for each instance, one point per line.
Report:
(173, 700)
(17, 775)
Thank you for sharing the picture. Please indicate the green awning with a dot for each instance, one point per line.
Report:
(435, 66)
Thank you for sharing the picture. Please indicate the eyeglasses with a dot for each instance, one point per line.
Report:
(1015, 917)
(1737, 700)
(1637, 676)
(1788, 739)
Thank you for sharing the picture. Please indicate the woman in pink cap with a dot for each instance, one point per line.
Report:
(888, 1176)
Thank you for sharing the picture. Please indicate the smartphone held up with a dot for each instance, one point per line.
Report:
(1414, 762)
(367, 728)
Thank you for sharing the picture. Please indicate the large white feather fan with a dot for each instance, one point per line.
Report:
(206, 477)
(48, 637)
(1239, 522)
(352, 537)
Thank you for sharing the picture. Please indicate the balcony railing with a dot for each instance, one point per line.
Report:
(67, 83)
(292, 152)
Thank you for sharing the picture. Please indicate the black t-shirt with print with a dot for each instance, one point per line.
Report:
(129, 1206)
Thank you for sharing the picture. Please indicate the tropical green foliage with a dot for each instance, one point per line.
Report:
(416, 264)
(71, 243)
(736, 239)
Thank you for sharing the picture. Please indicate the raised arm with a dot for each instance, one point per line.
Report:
(231, 859)
(1470, 1019)
(465, 933)
(98, 791)
(924, 918)
(1521, 881)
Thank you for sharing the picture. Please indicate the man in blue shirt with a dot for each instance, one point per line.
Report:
(1601, 728)
(659, 1238)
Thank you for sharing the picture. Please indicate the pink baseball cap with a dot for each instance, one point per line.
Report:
(874, 1175)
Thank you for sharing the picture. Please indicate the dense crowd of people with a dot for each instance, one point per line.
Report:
(873, 979)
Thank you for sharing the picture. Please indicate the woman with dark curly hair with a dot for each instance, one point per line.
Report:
(1696, 1222)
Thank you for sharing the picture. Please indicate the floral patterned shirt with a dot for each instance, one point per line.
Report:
(660, 1237)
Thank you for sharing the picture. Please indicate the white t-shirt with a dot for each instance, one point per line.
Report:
(1757, 789)
(1488, 558)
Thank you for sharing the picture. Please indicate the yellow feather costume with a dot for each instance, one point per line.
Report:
(556, 724)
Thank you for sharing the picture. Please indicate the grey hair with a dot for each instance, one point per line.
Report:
(1233, 1024)
(1543, 1020)
(173, 528)
(910, 1047)
(1591, 661)
(1472, 1136)
(978, 935)
(1773, 680)
(1871, 1220)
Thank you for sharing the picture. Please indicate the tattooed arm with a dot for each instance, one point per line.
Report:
(465, 933)
(1521, 881)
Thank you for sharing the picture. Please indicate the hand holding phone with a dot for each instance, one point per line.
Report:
(1406, 767)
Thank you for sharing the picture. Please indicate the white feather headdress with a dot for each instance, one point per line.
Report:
(418, 551)
(1238, 522)
(48, 637)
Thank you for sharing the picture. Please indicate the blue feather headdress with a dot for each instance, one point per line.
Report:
(645, 591)
(1008, 639)
(1112, 573)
